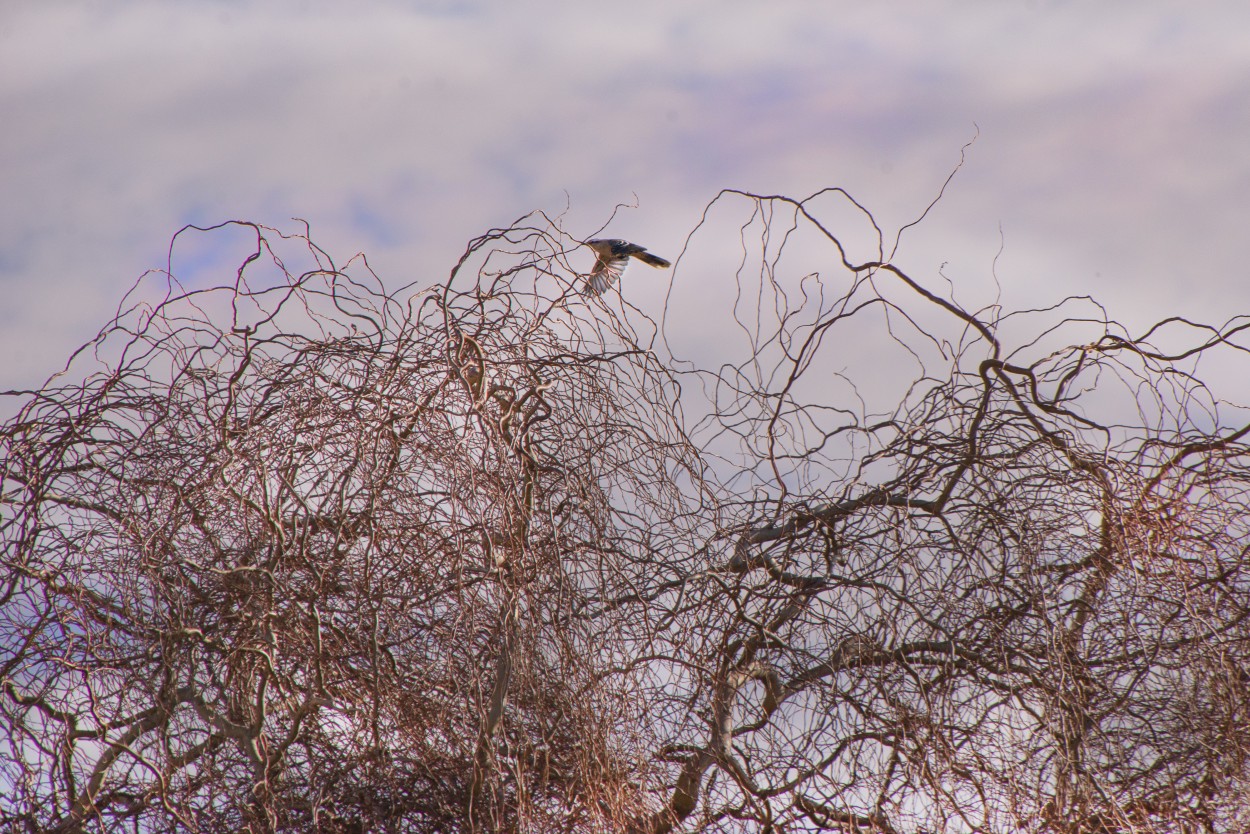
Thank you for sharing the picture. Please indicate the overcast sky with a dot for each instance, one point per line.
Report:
(1112, 152)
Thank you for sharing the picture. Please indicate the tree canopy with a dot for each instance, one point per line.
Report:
(821, 549)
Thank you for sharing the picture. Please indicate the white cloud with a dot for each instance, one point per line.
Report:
(1111, 146)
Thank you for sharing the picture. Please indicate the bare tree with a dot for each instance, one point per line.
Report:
(299, 553)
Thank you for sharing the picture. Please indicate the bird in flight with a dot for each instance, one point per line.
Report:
(613, 257)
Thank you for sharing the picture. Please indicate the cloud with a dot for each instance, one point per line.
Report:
(1110, 144)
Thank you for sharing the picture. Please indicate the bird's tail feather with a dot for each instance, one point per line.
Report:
(652, 260)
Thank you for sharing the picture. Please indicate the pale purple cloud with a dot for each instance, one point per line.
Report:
(1112, 145)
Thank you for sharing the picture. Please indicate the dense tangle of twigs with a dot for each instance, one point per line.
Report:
(298, 553)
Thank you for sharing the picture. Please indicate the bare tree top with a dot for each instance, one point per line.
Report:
(812, 546)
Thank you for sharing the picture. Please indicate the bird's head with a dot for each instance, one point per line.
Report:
(606, 246)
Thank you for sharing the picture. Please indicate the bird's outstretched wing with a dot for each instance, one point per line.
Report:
(607, 270)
